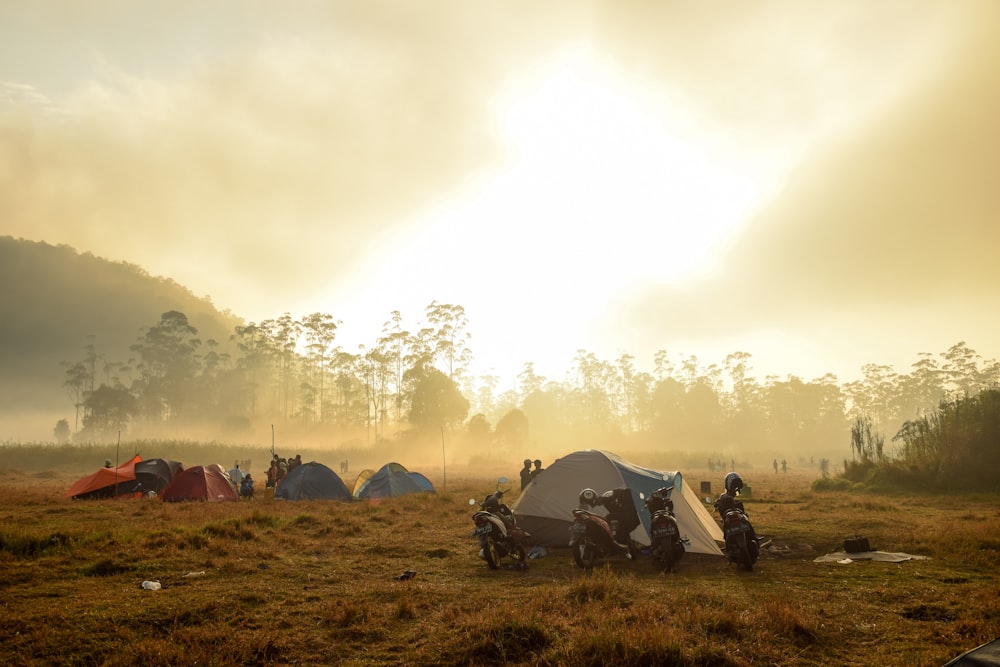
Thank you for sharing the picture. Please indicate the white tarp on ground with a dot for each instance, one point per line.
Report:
(881, 556)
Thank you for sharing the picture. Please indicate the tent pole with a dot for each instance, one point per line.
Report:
(444, 464)
(118, 448)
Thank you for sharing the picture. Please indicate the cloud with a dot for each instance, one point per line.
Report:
(888, 235)
(275, 163)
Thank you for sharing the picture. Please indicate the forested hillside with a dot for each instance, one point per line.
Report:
(55, 302)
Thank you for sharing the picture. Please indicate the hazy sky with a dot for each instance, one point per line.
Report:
(812, 183)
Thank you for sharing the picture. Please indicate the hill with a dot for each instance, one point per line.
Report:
(54, 299)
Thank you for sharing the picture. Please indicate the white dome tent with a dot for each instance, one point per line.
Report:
(545, 508)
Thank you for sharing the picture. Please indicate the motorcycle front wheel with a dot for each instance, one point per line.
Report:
(584, 554)
(518, 553)
(490, 554)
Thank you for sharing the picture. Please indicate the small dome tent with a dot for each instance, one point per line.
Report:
(312, 481)
(207, 483)
(155, 474)
(545, 507)
(390, 481)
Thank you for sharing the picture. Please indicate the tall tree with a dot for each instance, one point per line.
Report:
(320, 331)
(447, 337)
(436, 401)
(168, 364)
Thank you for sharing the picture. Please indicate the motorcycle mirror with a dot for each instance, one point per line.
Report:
(502, 480)
(472, 501)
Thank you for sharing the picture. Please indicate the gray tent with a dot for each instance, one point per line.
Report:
(545, 507)
(987, 655)
(312, 481)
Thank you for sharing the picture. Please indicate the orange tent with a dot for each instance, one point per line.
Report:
(106, 482)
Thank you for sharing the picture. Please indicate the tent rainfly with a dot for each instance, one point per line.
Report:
(545, 507)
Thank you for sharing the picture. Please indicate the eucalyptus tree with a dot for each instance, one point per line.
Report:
(253, 342)
(966, 373)
(399, 350)
(528, 381)
(167, 365)
(109, 410)
(436, 401)
(513, 432)
(484, 393)
(372, 369)
(80, 379)
(320, 331)
(446, 337)
(283, 334)
(593, 392)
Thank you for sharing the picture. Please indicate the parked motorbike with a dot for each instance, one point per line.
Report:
(497, 530)
(742, 547)
(666, 543)
(593, 537)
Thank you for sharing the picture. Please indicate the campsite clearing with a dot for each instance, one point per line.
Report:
(267, 582)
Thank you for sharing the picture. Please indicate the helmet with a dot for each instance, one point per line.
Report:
(734, 483)
(491, 504)
(588, 497)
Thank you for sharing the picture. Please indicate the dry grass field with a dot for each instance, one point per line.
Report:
(267, 582)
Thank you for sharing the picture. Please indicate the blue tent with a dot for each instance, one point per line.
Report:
(312, 481)
(422, 482)
(392, 480)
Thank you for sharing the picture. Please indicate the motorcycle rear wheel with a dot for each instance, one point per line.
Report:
(745, 560)
(668, 557)
(584, 554)
(491, 554)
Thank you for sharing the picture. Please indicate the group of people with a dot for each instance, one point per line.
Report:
(280, 467)
(528, 474)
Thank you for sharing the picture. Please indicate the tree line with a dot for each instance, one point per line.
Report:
(291, 371)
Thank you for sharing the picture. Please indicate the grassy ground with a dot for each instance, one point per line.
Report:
(270, 582)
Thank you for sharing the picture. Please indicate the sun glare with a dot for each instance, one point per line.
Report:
(620, 171)
(605, 185)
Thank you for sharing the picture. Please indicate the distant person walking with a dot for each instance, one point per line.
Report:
(775, 466)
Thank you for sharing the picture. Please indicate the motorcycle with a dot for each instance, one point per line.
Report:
(742, 547)
(593, 536)
(497, 530)
(666, 543)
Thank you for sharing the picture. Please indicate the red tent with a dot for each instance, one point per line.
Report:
(106, 482)
(210, 483)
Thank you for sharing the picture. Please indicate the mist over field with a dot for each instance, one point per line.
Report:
(652, 229)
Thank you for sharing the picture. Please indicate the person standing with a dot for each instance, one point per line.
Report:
(236, 475)
(538, 469)
(526, 474)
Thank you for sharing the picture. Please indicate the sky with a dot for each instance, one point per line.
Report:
(809, 183)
